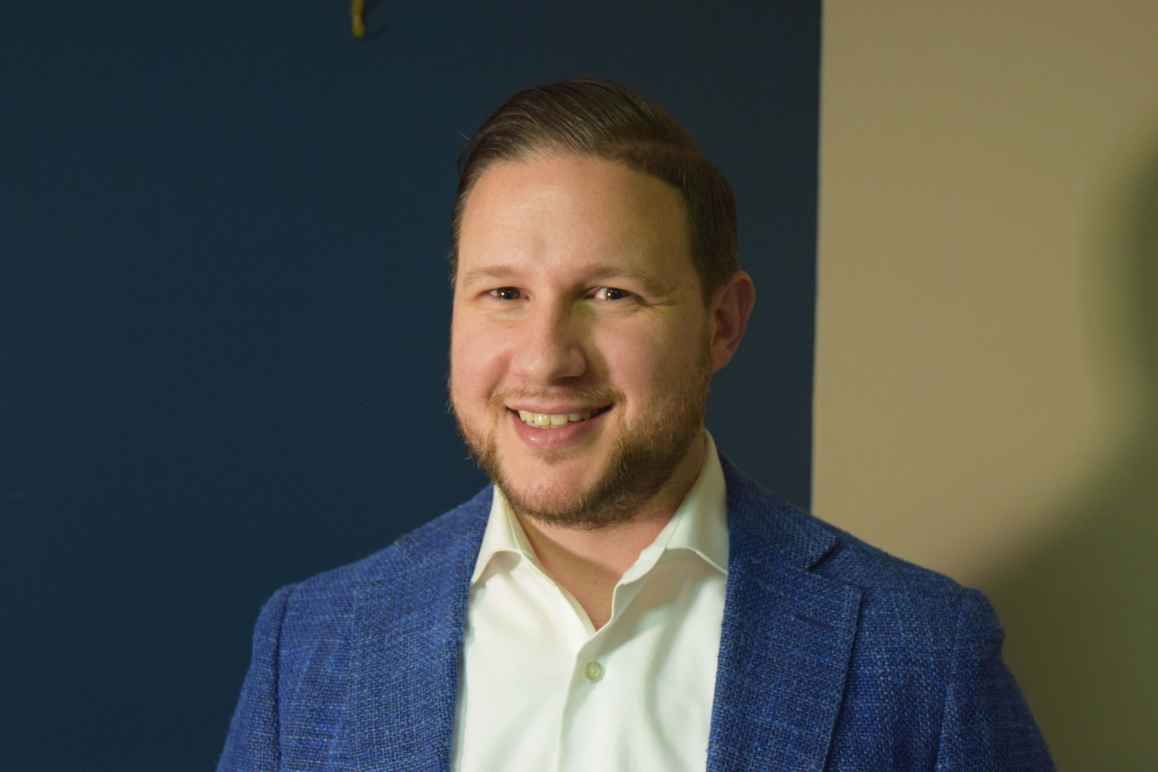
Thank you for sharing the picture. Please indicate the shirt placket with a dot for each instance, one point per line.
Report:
(592, 691)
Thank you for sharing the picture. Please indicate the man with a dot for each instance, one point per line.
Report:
(622, 598)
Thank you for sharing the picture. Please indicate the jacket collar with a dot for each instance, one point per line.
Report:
(786, 640)
(784, 651)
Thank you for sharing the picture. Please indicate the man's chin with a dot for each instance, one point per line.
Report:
(546, 499)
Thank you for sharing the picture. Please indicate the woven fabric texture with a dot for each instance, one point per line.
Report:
(834, 655)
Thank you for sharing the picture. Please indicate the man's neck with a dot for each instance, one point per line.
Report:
(589, 562)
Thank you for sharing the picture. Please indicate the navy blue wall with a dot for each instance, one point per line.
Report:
(224, 313)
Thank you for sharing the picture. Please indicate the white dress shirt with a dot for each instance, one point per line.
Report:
(541, 689)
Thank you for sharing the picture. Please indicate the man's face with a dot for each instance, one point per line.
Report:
(579, 357)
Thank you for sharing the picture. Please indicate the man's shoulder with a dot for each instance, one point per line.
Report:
(899, 593)
(886, 583)
(874, 569)
(799, 537)
(438, 538)
(925, 670)
(328, 596)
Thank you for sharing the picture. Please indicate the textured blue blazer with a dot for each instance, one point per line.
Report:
(833, 655)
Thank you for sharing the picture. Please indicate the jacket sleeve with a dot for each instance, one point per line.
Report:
(252, 743)
(986, 723)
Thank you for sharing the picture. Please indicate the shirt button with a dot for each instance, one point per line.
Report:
(593, 671)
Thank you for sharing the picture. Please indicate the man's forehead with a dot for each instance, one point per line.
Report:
(573, 217)
(594, 197)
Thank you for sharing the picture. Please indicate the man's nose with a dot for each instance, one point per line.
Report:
(551, 347)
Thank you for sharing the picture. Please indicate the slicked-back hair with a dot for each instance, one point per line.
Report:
(606, 120)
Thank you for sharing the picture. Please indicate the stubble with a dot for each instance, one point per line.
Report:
(642, 460)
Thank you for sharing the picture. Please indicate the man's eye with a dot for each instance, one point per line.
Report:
(505, 293)
(611, 293)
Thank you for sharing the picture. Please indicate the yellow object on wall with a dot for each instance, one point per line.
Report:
(358, 17)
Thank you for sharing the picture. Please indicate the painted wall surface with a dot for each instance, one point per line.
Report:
(224, 312)
(986, 394)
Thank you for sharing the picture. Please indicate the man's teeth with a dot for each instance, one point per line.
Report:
(553, 421)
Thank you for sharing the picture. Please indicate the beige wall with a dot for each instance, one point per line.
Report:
(987, 341)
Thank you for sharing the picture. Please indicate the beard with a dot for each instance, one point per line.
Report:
(643, 457)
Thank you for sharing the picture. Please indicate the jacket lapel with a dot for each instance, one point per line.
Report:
(786, 640)
(408, 630)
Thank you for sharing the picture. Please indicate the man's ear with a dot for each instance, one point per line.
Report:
(730, 310)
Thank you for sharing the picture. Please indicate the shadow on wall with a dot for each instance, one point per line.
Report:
(1081, 605)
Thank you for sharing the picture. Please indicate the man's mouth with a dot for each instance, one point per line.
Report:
(557, 420)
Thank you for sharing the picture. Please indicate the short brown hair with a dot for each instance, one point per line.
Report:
(606, 120)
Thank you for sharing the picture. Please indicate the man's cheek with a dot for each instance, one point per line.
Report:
(479, 375)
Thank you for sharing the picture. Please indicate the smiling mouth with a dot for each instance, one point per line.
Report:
(557, 420)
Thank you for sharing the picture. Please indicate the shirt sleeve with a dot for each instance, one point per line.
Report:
(252, 742)
(986, 723)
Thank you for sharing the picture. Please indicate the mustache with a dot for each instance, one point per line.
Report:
(593, 395)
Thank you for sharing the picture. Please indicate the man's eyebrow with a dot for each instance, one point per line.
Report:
(492, 272)
(653, 284)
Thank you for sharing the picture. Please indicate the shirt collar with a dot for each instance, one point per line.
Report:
(699, 525)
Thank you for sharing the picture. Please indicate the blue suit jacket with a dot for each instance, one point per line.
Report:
(833, 655)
